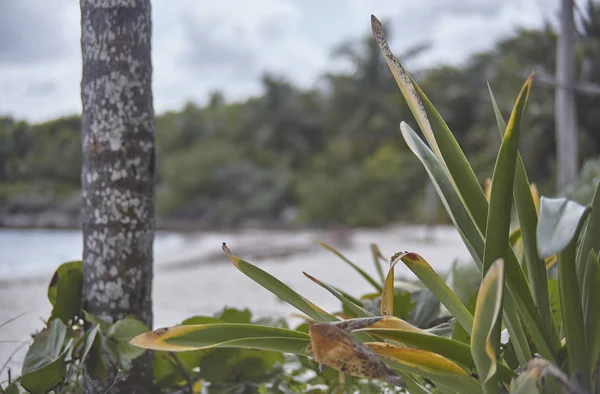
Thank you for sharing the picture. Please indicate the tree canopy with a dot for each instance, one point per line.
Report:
(332, 154)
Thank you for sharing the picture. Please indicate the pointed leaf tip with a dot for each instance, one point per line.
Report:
(375, 23)
(233, 258)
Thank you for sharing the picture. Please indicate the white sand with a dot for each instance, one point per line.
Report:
(183, 288)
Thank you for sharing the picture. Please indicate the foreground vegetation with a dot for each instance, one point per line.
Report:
(529, 325)
(522, 331)
(296, 149)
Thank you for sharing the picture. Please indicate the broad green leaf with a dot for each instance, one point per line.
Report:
(14, 388)
(559, 223)
(485, 341)
(591, 300)
(232, 315)
(94, 363)
(278, 288)
(246, 365)
(498, 218)
(356, 309)
(95, 320)
(123, 331)
(361, 272)
(437, 286)
(224, 335)
(591, 237)
(170, 369)
(64, 291)
(89, 338)
(449, 348)
(44, 365)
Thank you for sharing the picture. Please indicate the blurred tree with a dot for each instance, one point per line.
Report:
(564, 105)
(118, 175)
(327, 151)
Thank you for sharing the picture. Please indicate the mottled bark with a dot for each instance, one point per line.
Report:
(118, 171)
(564, 101)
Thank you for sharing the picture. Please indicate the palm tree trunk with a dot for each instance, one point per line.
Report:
(564, 101)
(118, 173)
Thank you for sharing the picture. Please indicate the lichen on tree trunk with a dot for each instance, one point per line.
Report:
(118, 172)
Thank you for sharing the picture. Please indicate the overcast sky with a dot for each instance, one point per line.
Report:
(203, 45)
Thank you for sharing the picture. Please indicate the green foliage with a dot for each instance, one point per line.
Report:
(538, 314)
(64, 292)
(44, 366)
(55, 359)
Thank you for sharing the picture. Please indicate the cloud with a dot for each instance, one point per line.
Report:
(28, 31)
(202, 46)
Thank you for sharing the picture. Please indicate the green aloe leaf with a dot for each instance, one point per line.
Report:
(498, 218)
(449, 348)
(458, 188)
(436, 132)
(528, 218)
(485, 341)
(356, 309)
(427, 364)
(591, 236)
(473, 238)
(224, 335)
(457, 211)
(278, 288)
(361, 272)
(591, 300)
(421, 268)
(558, 229)
(377, 260)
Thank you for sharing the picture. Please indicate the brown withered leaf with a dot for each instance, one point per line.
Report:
(333, 346)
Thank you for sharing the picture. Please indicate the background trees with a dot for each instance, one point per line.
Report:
(334, 153)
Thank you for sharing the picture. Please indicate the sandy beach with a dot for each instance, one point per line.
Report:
(197, 279)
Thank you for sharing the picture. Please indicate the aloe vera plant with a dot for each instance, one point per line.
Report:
(553, 329)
